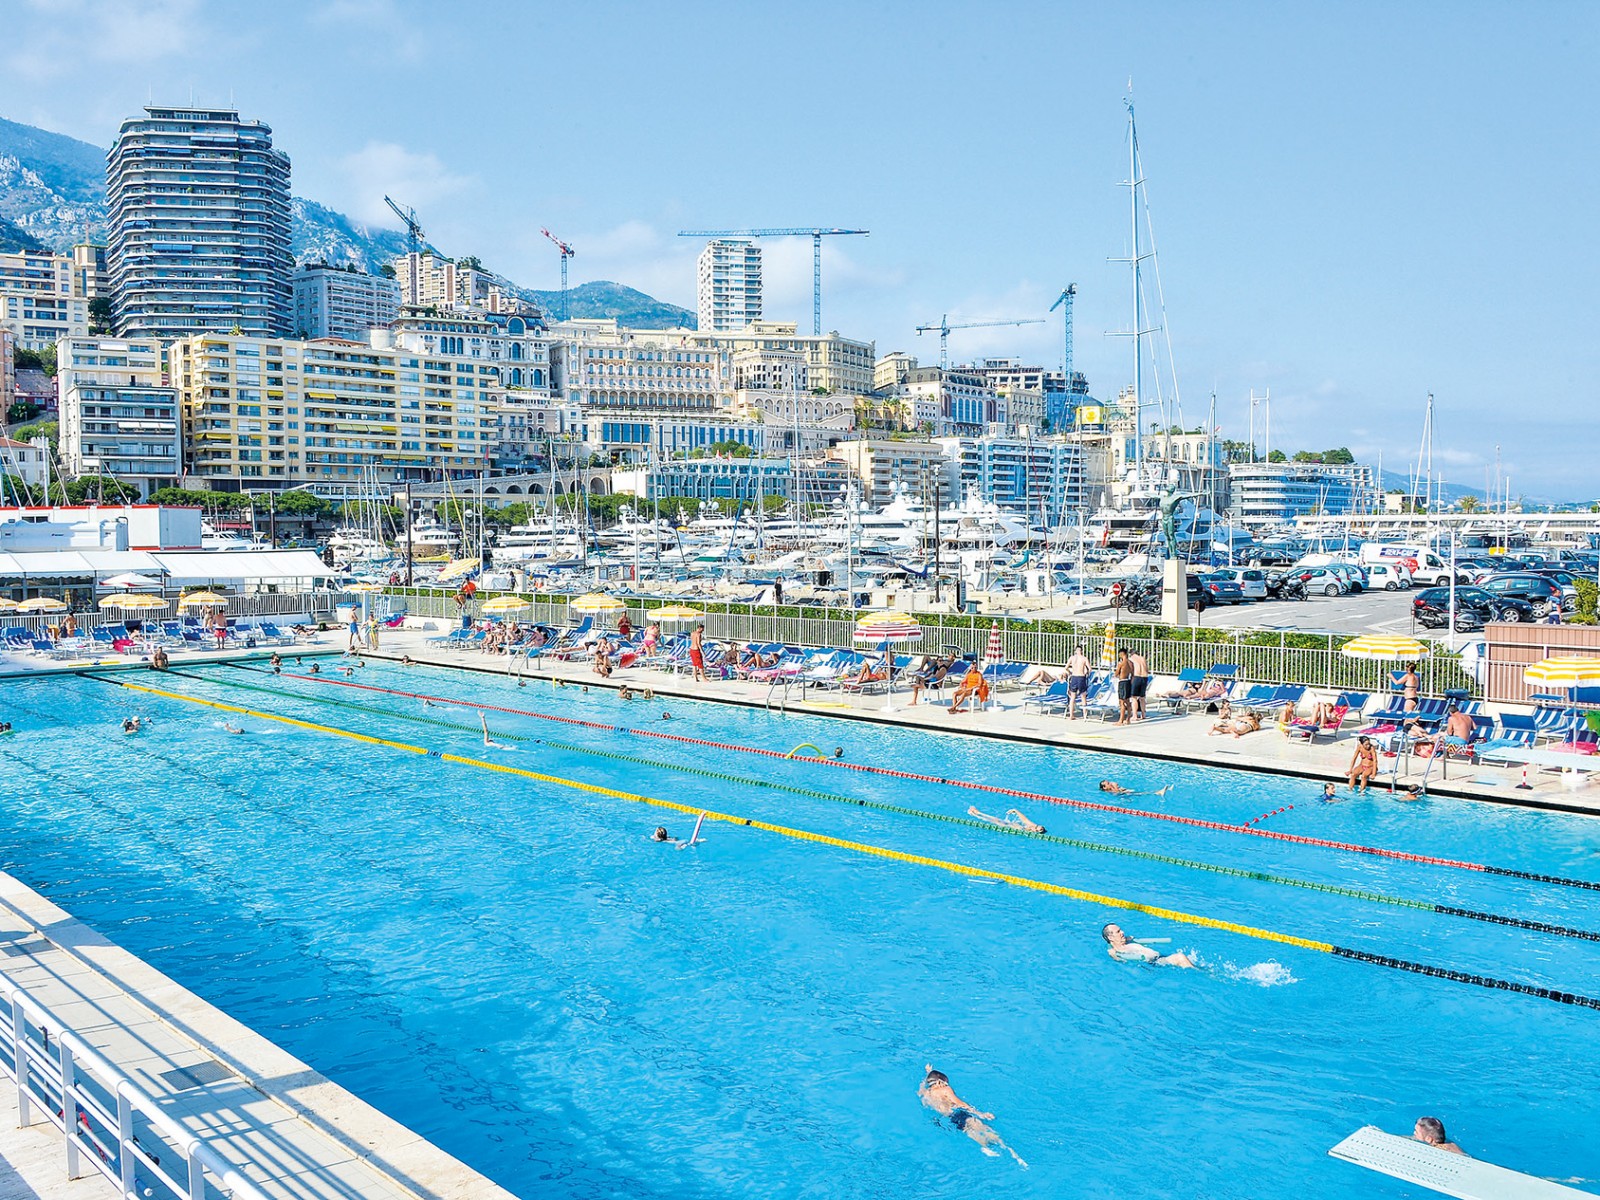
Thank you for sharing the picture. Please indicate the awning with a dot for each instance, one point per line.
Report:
(175, 567)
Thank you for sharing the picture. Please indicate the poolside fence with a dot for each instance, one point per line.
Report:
(1262, 655)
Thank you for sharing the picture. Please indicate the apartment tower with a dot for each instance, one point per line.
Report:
(199, 226)
(728, 285)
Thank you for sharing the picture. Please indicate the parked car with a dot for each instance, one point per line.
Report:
(1536, 590)
(1354, 577)
(1567, 579)
(1220, 589)
(1431, 608)
(1252, 581)
(1322, 580)
(1391, 577)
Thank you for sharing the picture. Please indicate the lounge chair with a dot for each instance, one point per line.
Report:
(1052, 699)
(1309, 730)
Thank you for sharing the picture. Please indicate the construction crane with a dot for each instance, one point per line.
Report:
(566, 253)
(1064, 302)
(815, 234)
(413, 230)
(944, 327)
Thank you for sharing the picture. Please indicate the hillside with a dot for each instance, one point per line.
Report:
(53, 193)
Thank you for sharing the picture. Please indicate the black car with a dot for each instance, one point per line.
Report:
(1536, 590)
(1431, 608)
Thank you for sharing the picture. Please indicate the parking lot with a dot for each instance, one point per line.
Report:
(1367, 612)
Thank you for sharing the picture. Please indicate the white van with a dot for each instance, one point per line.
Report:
(1426, 567)
(1390, 576)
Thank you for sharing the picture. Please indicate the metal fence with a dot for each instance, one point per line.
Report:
(1262, 655)
(315, 605)
(114, 1126)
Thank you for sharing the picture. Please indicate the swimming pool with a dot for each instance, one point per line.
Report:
(510, 967)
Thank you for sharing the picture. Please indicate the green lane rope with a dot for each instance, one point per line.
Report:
(970, 822)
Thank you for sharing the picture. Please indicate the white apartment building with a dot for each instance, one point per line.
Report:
(339, 302)
(728, 285)
(602, 366)
(119, 415)
(1042, 477)
(25, 461)
(885, 466)
(198, 205)
(8, 369)
(954, 402)
(891, 372)
(427, 279)
(42, 298)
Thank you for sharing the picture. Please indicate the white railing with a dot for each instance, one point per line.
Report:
(115, 1126)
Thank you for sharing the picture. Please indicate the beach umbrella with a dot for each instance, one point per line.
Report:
(1108, 652)
(675, 614)
(506, 604)
(7, 605)
(203, 600)
(130, 580)
(996, 653)
(1564, 672)
(886, 628)
(1383, 647)
(366, 588)
(598, 603)
(134, 603)
(42, 604)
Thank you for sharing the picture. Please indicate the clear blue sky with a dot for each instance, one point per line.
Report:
(1355, 204)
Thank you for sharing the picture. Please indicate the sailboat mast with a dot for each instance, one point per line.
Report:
(1138, 297)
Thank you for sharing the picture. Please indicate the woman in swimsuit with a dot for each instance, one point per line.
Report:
(1410, 687)
(1363, 765)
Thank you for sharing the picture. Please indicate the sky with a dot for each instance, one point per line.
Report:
(1354, 204)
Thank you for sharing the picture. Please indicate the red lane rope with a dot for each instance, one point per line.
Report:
(1264, 816)
(1197, 822)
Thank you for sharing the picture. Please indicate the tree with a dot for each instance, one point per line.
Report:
(1469, 504)
(98, 487)
(301, 504)
(49, 429)
(471, 262)
(22, 411)
(1340, 457)
(35, 360)
(387, 270)
(1277, 456)
(100, 314)
(1237, 451)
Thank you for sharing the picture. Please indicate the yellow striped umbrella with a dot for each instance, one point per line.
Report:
(1383, 647)
(203, 600)
(7, 605)
(134, 603)
(362, 589)
(1564, 672)
(42, 604)
(506, 604)
(674, 614)
(892, 626)
(1108, 652)
(597, 602)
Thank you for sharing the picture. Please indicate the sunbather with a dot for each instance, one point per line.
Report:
(1248, 723)
(974, 687)
(931, 676)
(1206, 689)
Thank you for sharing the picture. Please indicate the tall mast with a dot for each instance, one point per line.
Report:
(1138, 296)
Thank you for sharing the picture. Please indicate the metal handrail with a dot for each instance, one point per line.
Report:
(73, 1079)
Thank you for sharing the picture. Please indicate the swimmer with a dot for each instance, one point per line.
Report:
(936, 1093)
(625, 692)
(694, 837)
(349, 671)
(586, 687)
(666, 716)
(1414, 792)
(838, 751)
(1121, 948)
(491, 745)
(1116, 789)
(276, 660)
(132, 724)
(661, 835)
(1430, 1130)
(316, 668)
(5, 727)
(405, 660)
(228, 727)
(1012, 820)
(1329, 796)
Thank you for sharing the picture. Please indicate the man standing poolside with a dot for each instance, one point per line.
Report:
(936, 1093)
(1077, 684)
(1140, 683)
(697, 653)
(1123, 673)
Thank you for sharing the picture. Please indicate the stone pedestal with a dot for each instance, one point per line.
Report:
(1174, 592)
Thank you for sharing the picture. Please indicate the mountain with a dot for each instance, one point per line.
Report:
(321, 235)
(603, 298)
(53, 193)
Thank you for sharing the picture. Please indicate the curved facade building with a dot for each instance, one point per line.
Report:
(199, 226)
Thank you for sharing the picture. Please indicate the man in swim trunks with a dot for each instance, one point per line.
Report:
(1123, 950)
(1077, 684)
(1012, 820)
(1430, 1130)
(1123, 673)
(936, 1093)
(697, 653)
(1139, 683)
(1363, 765)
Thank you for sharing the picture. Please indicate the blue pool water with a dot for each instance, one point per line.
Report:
(511, 968)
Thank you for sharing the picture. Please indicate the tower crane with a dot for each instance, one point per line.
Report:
(566, 253)
(1064, 302)
(413, 230)
(816, 234)
(943, 329)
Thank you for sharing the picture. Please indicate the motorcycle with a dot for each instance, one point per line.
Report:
(1286, 587)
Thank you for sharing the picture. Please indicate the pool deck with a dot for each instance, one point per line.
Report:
(287, 1129)
(1176, 739)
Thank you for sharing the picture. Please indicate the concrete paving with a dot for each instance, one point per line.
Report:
(1167, 736)
(274, 1120)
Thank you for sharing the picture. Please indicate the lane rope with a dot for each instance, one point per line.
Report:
(843, 764)
(969, 822)
(869, 850)
(1264, 816)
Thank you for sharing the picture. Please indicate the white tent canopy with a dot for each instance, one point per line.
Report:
(234, 568)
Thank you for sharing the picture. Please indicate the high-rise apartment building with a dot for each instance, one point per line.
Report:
(199, 222)
(340, 303)
(41, 298)
(118, 415)
(728, 285)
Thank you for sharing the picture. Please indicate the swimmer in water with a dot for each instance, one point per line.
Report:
(491, 745)
(349, 671)
(666, 716)
(625, 692)
(1430, 1130)
(1329, 796)
(316, 669)
(5, 726)
(405, 660)
(276, 660)
(132, 724)
(1116, 789)
(228, 727)
(838, 751)
(936, 1093)
(1414, 792)
(661, 835)
(1124, 950)
(1012, 820)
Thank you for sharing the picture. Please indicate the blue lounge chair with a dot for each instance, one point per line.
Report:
(1052, 699)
